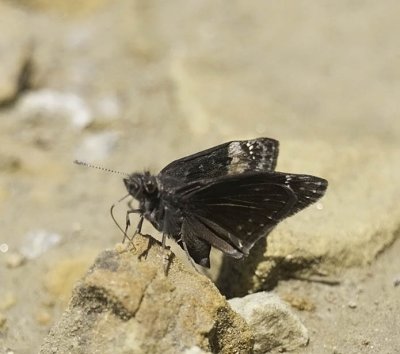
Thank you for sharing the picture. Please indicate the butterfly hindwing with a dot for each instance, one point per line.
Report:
(198, 248)
(226, 159)
(238, 210)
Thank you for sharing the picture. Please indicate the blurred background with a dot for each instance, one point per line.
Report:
(135, 84)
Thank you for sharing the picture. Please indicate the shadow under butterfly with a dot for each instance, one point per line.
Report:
(227, 197)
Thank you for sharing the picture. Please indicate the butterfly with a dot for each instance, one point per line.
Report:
(227, 197)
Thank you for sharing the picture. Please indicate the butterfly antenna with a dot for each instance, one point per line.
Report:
(86, 164)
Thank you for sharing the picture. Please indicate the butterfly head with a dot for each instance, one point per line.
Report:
(141, 185)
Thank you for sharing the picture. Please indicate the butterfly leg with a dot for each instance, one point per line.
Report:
(150, 243)
(165, 253)
(128, 223)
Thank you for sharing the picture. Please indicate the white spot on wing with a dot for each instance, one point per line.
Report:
(235, 150)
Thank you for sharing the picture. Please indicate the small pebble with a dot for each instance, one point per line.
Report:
(3, 321)
(365, 342)
(7, 301)
(48, 302)
(3, 248)
(299, 303)
(396, 282)
(352, 305)
(43, 318)
(120, 247)
(15, 260)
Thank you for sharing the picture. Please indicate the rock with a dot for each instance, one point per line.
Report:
(60, 279)
(273, 323)
(125, 303)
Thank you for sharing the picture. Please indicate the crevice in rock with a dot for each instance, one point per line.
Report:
(96, 300)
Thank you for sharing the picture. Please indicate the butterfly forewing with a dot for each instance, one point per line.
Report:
(226, 159)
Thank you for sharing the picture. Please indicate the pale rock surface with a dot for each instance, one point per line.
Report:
(273, 323)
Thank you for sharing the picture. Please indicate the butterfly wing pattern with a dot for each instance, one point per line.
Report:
(230, 158)
(227, 197)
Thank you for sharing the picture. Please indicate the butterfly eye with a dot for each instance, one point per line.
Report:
(133, 186)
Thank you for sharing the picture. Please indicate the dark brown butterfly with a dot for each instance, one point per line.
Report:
(226, 197)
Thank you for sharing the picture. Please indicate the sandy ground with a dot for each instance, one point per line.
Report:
(359, 315)
(137, 84)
